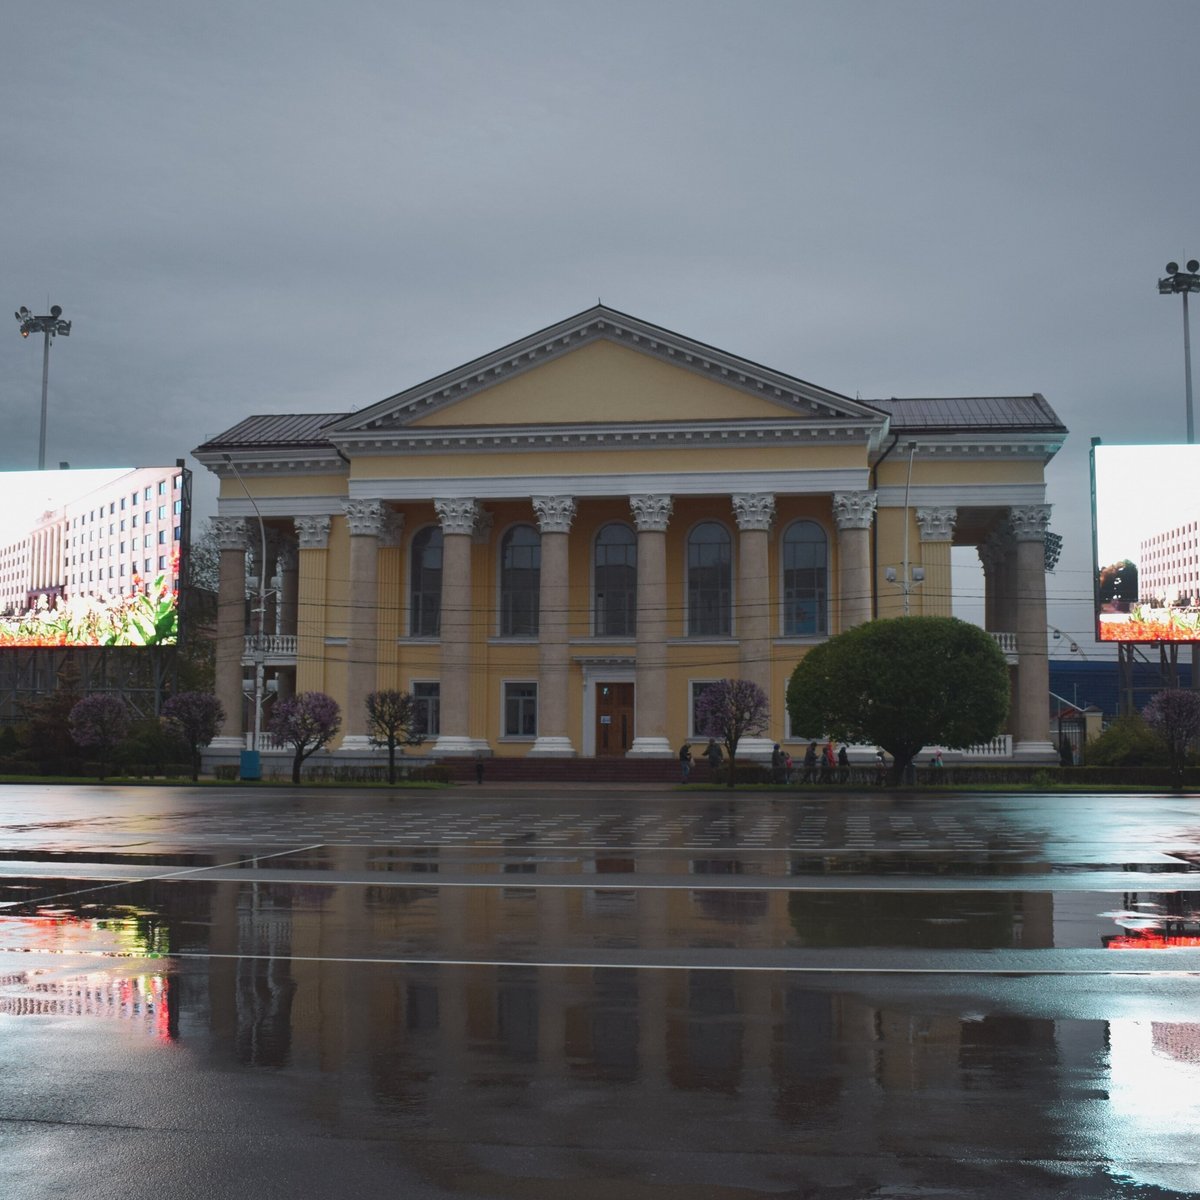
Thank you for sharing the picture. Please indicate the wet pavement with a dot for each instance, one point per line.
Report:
(521, 993)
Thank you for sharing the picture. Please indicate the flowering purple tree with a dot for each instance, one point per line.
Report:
(306, 722)
(730, 710)
(1175, 716)
(196, 717)
(99, 722)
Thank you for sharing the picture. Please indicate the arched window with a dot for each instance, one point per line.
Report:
(709, 576)
(425, 583)
(520, 579)
(614, 595)
(805, 580)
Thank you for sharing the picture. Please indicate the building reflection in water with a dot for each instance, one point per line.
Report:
(614, 1058)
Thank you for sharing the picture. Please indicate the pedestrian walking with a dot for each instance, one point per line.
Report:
(777, 775)
(685, 762)
(843, 764)
(828, 762)
(880, 768)
(713, 753)
(810, 764)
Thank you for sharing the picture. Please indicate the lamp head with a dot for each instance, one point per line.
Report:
(1172, 267)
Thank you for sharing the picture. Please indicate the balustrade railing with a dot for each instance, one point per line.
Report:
(271, 645)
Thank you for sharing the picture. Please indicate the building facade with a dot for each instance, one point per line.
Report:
(557, 546)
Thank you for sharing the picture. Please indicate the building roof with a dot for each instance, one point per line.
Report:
(999, 413)
(294, 430)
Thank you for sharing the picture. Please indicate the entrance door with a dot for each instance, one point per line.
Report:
(614, 718)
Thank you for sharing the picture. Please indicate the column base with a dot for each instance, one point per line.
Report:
(357, 743)
(650, 747)
(552, 747)
(755, 749)
(456, 745)
(1035, 752)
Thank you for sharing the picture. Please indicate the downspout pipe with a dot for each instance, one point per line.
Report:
(875, 529)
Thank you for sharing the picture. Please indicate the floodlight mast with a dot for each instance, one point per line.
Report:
(1183, 283)
(49, 324)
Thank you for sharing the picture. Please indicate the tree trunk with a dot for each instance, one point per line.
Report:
(296, 764)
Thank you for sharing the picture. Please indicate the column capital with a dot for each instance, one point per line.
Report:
(285, 556)
(854, 510)
(554, 513)
(366, 518)
(481, 532)
(313, 532)
(1029, 522)
(457, 514)
(937, 524)
(230, 532)
(393, 529)
(651, 512)
(990, 555)
(754, 510)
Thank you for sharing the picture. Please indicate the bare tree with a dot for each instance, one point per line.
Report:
(393, 720)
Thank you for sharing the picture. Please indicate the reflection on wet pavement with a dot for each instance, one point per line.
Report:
(544, 1019)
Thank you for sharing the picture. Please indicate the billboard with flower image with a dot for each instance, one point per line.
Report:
(1146, 542)
(91, 557)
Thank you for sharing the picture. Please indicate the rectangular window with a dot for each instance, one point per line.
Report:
(427, 700)
(698, 688)
(122, 506)
(149, 495)
(162, 562)
(177, 507)
(162, 512)
(162, 487)
(133, 521)
(162, 537)
(520, 710)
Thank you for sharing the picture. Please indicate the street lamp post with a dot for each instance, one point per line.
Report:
(259, 646)
(50, 324)
(1182, 283)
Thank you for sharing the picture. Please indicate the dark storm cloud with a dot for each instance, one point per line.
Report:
(298, 206)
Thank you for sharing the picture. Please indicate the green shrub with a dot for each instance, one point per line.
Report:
(1127, 742)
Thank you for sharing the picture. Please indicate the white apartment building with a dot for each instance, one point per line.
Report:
(1169, 566)
(110, 540)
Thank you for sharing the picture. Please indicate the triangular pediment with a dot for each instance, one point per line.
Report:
(603, 367)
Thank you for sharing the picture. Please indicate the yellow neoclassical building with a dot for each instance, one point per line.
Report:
(557, 546)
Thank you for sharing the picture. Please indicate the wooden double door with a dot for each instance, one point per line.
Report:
(614, 719)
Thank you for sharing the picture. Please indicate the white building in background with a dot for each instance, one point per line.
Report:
(98, 543)
(1169, 565)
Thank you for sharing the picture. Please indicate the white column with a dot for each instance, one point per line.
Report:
(230, 533)
(651, 515)
(554, 514)
(367, 520)
(1033, 668)
(458, 517)
(754, 513)
(854, 512)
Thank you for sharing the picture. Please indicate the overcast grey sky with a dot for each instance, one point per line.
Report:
(300, 206)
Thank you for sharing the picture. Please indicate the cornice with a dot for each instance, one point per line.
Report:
(595, 436)
(970, 447)
(276, 462)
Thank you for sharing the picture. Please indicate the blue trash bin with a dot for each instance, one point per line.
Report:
(250, 766)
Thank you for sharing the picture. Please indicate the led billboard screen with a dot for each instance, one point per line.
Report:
(1146, 538)
(91, 557)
